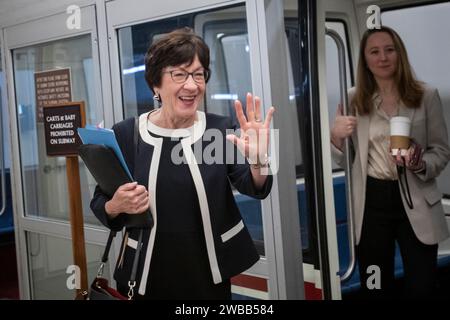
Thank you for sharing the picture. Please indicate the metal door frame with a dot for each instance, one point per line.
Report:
(41, 30)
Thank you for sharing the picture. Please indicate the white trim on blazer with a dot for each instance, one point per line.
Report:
(197, 132)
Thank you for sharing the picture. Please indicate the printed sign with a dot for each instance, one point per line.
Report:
(60, 125)
(53, 87)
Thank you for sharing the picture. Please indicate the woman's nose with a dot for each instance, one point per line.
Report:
(190, 83)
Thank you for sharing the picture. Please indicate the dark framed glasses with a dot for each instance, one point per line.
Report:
(180, 76)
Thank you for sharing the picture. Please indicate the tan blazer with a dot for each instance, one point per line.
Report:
(429, 130)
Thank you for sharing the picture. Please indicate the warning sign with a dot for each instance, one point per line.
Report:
(53, 87)
(60, 125)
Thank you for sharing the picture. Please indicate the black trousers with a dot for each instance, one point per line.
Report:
(385, 222)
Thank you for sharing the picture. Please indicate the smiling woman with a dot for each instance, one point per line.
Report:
(381, 55)
(179, 95)
(386, 87)
(168, 66)
(199, 240)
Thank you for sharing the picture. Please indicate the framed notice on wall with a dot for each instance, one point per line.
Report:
(60, 126)
(53, 87)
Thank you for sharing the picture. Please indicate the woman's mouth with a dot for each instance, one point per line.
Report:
(188, 99)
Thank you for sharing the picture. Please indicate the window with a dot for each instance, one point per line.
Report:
(44, 178)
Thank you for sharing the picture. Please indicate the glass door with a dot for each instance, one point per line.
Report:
(43, 233)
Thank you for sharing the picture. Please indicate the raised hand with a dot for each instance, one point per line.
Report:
(254, 138)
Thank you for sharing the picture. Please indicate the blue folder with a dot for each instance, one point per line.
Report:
(94, 135)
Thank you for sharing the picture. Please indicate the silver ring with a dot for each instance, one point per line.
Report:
(258, 120)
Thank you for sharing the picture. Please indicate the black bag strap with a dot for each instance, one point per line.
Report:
(137, 254)
(401, 171)
(132, 282)
(111, 236)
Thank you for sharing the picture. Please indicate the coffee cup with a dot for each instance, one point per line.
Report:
(400, 135)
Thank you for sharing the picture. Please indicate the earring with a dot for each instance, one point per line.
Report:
(157, 99)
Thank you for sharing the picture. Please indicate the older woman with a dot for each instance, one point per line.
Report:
(199, 240)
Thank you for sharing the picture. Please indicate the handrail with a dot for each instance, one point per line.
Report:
(348, 190)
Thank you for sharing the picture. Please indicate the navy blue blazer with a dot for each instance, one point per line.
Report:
(230, 247)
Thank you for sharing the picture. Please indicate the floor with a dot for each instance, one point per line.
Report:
(9, 282)
(9, 286)
(441, 292)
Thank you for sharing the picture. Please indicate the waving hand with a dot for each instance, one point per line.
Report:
(254, 138)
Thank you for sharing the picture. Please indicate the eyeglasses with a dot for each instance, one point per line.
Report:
(180, 76)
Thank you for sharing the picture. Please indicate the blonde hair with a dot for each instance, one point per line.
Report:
(410, 90)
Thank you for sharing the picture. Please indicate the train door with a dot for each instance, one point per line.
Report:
(247, 55)
(336, 32)
(42, 228)
(315, 180)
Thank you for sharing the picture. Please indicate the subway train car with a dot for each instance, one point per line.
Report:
(298, 55)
